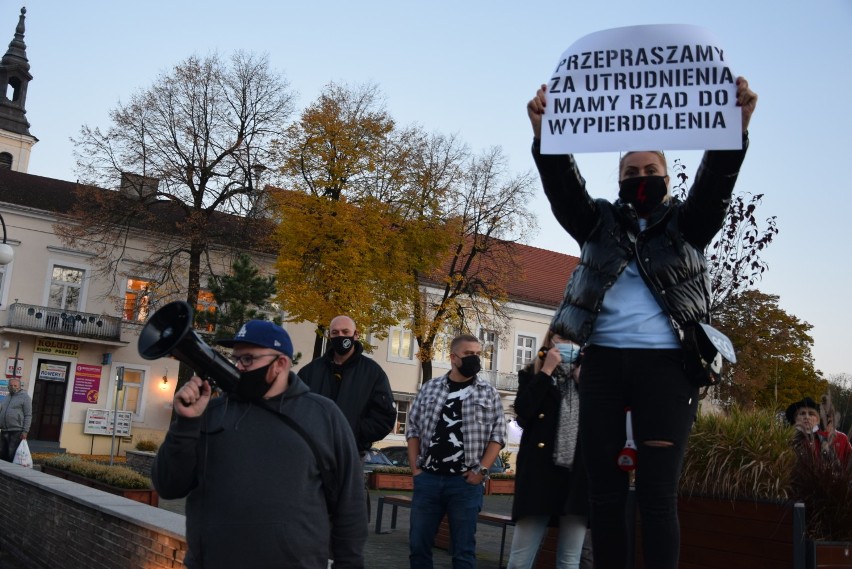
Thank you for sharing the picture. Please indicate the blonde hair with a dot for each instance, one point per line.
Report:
(660, 154)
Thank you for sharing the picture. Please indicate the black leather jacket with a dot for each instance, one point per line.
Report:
(669, 252)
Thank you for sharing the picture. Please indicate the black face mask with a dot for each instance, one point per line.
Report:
(470, 366)
(252, 385)
(643, 192)
(342, 344)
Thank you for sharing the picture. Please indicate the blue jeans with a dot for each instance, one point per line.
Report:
(435, 496)
(529, 533)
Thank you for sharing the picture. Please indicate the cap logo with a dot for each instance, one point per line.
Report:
(242, 332)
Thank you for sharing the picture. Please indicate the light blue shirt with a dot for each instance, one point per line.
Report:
(631, 317)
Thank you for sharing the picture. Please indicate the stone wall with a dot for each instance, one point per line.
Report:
(49, 522)
(140, 461)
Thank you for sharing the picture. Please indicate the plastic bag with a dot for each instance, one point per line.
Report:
(23, 456)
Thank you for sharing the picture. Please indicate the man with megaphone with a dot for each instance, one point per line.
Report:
(270, 470)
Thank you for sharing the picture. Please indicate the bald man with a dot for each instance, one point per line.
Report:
(358, 385)
(16, 415)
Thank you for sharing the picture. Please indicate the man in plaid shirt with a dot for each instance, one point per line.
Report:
(455, 431)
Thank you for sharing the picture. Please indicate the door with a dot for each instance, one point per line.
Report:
(49, 399)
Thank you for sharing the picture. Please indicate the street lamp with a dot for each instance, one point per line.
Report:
(6, 252)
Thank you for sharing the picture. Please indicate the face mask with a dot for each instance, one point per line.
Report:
(470, 366)
(252, 385)
(14, 390)
(342, 344)
(569, 352)
(644, 192)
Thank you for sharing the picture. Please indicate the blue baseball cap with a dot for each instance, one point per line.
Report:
(262, 333)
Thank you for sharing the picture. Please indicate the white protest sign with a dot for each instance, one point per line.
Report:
(660, 87)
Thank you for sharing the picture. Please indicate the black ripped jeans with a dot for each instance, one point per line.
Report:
(663, 403)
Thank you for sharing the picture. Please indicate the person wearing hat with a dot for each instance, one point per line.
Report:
(251, 466)
(804, 415)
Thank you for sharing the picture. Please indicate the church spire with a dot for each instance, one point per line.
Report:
(16, 142)
(14, 79)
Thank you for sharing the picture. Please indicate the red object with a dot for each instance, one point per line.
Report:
(628, 456)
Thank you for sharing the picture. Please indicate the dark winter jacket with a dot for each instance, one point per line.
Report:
(254, 494)
(363, 393)
(541, 487)
(669, 252)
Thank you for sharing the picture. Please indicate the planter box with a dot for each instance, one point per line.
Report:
(149, 496)
(829, 554)
(747, 534)
(387, 481)
(731, 534)
(500, 486)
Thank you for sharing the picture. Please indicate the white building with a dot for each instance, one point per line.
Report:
(66, 333)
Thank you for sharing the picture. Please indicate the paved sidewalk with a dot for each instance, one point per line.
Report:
(390, 551)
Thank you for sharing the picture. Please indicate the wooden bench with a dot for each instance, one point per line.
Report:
(442, 539)
(394, 500)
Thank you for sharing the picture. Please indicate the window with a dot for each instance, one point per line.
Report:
(401, 416)
(442, 344)
(5, 160)
(488, 339)
(65, 286)
(137, 300)
(130, 395)
(524, 351)
(401, 344)
(205, 311)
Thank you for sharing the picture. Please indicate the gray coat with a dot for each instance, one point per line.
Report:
(16, 412)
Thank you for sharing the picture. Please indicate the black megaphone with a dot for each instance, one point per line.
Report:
(169, 332)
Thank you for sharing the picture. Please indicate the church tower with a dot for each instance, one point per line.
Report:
(16, 142)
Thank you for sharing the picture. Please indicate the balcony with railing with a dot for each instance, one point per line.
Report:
(34, 318)
(502, 381)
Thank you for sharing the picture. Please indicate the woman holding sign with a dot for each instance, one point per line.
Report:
(642, 278)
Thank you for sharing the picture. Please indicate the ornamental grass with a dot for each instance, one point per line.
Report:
(742, 454)
(117, 476)
(146, 445)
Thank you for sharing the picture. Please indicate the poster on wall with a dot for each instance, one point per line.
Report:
(52, 372)
(87, 384)
(13, 370)
(100, 422)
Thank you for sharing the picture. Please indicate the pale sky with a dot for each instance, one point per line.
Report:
(469, 68)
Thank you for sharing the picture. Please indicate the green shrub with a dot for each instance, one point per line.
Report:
(743, 454)
(393, 470)
(146, 445)
(118, 476)
(506, 457)
(502, 476)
